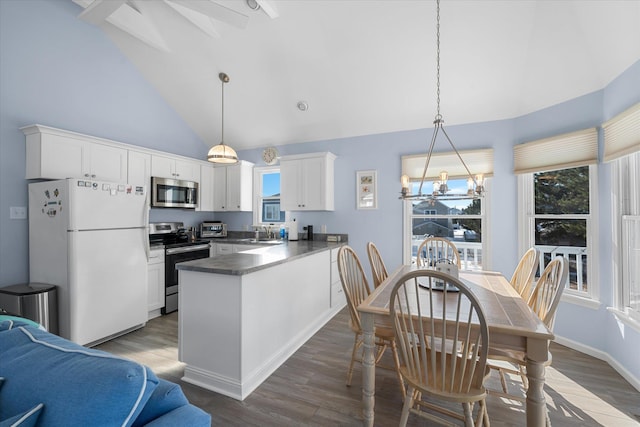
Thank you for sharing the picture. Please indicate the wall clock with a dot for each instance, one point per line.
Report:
(270, 155)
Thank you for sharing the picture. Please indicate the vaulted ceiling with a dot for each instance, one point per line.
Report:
(365, 67)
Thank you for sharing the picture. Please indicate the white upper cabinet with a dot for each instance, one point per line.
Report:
(169, 167)
(306, 182)
(206, 189)
(139, 168)
(56, 154)
(233, 187)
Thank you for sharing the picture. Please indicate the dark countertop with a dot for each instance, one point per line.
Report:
(261, 258)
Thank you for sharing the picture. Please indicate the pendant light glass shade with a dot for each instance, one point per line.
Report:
(222, 153)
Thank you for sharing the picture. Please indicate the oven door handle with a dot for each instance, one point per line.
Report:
(187, 249)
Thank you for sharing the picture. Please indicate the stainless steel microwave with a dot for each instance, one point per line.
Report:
(173, 193)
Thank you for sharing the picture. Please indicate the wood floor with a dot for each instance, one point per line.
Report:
(309, 389)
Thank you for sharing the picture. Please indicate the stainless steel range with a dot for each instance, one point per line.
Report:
(179, 247)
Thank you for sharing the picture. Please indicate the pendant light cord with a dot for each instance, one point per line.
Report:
(222, 128)
(438, 116)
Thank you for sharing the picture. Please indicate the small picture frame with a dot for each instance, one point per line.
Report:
(367, 189)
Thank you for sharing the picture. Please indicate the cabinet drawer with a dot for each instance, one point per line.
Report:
(222, 249)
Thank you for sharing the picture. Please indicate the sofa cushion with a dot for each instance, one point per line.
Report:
(26, 419)
(9, 322)
(165, 398)
(78, 386)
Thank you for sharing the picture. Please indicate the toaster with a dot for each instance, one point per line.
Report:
(213, 229)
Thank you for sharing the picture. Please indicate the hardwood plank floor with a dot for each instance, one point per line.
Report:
(309, 389)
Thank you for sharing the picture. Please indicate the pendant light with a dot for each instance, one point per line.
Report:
(222, 153)
(475, 184)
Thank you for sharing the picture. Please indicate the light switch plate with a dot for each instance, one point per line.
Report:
(18, 212)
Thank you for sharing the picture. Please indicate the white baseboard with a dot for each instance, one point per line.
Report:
(601, 355)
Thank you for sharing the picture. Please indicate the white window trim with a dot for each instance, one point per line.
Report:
(485, 214)
(526, 237)
(257, 190)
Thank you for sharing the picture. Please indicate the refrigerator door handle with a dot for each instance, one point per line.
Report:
(145, 230)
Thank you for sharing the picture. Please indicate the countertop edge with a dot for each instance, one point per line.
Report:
(239, 264)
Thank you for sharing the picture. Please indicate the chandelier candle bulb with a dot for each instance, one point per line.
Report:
(404, 181)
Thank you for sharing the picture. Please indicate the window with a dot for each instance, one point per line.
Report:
(622, 149)
(557, 206)
(267, 195)
(560, 221)
(626, 232)
(460, 221)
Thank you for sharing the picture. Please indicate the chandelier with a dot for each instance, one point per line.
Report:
(222, 153)
(475, 183)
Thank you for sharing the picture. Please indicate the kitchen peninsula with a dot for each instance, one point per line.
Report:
(242, 315)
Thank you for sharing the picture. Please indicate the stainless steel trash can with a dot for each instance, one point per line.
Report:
(35, 301)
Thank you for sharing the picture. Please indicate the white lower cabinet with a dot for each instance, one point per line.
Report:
(337, 293)
(155, 282)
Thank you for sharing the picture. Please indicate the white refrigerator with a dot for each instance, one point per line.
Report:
(90, 239)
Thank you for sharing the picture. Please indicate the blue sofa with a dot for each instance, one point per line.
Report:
(48, 381)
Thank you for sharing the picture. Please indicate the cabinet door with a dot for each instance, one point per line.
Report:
(105, 163)
(289, 185)
(53, 157)
(219, 188)
(139, 168)
(187, 171)
(155, 290)
(162, 166)
(312, 182)
(206, 189)
(234, 188)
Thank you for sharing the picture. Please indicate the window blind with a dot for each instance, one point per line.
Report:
(557, 152)
(622, 134)
(478, 161)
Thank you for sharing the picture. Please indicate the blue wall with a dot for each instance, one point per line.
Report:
(59, 71)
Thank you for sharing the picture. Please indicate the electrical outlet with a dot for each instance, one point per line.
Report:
(17, 212)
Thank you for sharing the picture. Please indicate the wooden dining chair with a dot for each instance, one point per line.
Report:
(356, 289)
(525, 273)
(436, 249)
(378, 269)
(425, 319)
(544, 302)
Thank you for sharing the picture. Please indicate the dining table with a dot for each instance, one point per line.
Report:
(512, 325)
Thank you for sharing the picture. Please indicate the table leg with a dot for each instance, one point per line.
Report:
(536, 404)
(368, 368)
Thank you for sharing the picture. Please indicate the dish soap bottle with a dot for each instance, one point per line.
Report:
(293, 230)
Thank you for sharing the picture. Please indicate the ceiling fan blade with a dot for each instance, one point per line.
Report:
(100, 10)
(216, 11)
(269, 8)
